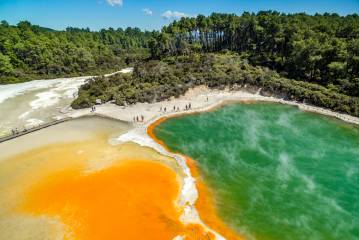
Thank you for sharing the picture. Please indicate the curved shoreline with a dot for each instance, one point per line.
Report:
(192, 214)
(188, 192)
(204, 203)
(202, 99)
(142, 134)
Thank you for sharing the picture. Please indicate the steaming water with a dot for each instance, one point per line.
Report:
(32, 103)
(28, 104)
(276, 172)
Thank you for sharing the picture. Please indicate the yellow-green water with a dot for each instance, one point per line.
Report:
(276, 172)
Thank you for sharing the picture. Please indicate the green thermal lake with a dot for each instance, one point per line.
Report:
(276, 172)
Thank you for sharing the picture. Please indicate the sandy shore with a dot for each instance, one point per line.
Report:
(201, 99)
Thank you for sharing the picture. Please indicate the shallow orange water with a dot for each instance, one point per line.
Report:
(130, 199)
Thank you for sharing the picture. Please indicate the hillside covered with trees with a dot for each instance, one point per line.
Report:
(311, 58)
(28, 52)
(158, 80)
(322, 49)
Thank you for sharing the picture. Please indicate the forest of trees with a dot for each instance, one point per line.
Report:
(158, 80)
(28, 52)
(311, 58)
(322, 49)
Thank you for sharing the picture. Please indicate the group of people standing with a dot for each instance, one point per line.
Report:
(176, 108)
(188, 107)
(139, 118)
(15, 131)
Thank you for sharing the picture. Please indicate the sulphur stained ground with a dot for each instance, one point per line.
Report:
(78, 186)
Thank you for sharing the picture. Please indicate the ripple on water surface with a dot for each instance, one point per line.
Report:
(276, 172)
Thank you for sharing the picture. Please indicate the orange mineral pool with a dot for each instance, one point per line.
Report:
(87, 189)
(129, 201)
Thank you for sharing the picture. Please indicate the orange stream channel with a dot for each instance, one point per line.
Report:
(205, 204)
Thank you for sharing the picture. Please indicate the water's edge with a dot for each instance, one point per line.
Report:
(143, 136)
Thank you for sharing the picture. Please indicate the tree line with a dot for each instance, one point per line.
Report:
(172, 76)
(28, 51)
(321, 49)
(311, 58)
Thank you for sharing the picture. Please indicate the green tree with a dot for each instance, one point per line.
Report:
(6, 67)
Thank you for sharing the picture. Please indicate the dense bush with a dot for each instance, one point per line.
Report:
(320, 48)
(157, 80)
(28, 52)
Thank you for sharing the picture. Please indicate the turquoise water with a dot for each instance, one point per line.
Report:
(276, 172)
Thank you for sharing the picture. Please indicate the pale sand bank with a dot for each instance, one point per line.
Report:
(198, 98)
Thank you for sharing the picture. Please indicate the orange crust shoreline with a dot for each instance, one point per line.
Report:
(205, 204)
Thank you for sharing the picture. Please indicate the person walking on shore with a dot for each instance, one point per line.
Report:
(142, 118)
